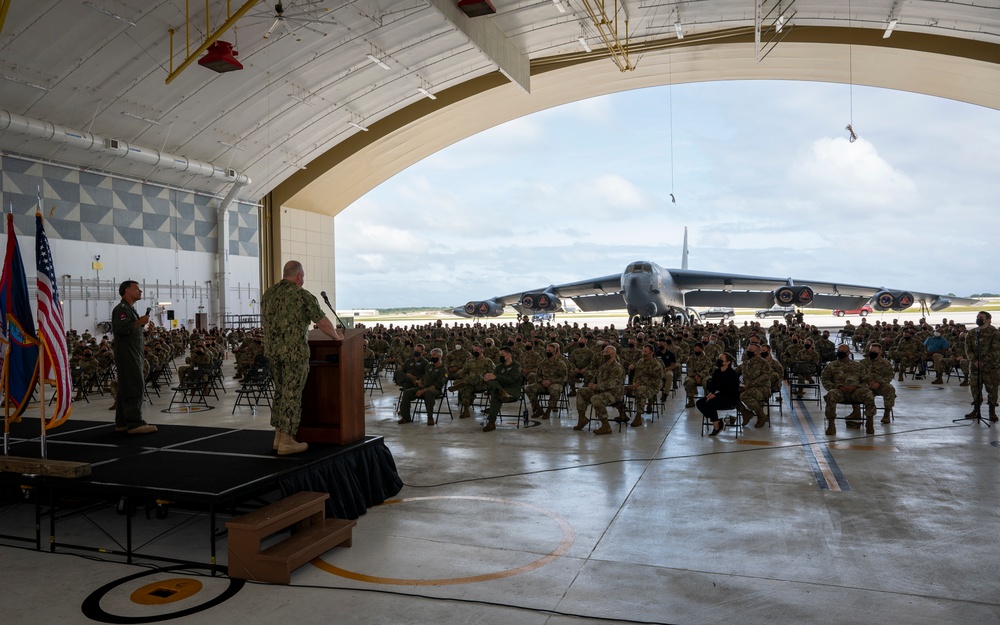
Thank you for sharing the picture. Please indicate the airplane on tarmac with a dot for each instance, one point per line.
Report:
(648, 291)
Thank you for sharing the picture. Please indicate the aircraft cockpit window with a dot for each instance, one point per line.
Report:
(635, 268)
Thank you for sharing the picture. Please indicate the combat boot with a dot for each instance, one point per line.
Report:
(762, 420)
(581, 421)
(900, 376)
(277, 439)
(937, 379)
(831, 427)
(536, 410)
(887, 415)
(114, 406)
(854, 419)
(605, 427)
(288, 445)
(746, 415)
(637, 421)
(404, 419)
(490, 425)
(975, 412)
(465, 414)
(548, 412)
(965, 382)
(870, 422)
(690, 402)
(622, 415)
(993, 412)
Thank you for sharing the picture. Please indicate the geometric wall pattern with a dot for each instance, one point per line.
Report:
(85, 206)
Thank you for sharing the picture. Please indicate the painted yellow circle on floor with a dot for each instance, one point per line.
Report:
(166, 591)
(568, 536)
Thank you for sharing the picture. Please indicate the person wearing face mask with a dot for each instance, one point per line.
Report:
(412, 370)
(455, 359)
(490, 350)
(605, 389)
(908, 354)
(552, 374)
(502, 385)
(844, 382)
(628, 358)
(878, 372)
(756, 387)
(579, 360)
(805, 364)
(956, 358)
(529, 359)
(428, 388)
(721, 393)
(777, 370)
(646, 384)
(937, 350)
(699, 366)
(470, 380)
(982, 347)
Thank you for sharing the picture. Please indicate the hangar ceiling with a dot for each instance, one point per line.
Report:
(343, 94)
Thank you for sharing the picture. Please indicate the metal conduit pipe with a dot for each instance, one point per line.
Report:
(19, 124)
(222, 278)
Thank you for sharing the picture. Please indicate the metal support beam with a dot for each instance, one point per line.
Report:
(491, 41)
(4, 5)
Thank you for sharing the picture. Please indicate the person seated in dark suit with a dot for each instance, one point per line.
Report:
(722, 392)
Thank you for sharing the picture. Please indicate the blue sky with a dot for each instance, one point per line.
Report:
(764, 176)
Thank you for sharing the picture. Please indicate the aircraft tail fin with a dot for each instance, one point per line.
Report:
(684, 250)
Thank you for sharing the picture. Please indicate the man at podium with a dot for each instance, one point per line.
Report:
(287, 312)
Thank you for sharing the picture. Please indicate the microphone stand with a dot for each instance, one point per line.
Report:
(977, 413)
(340, 322)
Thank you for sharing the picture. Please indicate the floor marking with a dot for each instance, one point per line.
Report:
(568, 536)
(824, 466)
(848, 447)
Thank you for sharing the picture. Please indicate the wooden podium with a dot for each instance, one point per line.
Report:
(333, 402)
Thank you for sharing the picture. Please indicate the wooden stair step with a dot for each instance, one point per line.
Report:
(280, 514)
(313, 541)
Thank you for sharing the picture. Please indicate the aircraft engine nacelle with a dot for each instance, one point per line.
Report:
(793, 296)
(541, 302)
(487, 308)
(940, 303)
(893, 300)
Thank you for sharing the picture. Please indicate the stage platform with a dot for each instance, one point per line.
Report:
(212, 470)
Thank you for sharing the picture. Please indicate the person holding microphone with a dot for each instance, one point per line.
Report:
(127, 328)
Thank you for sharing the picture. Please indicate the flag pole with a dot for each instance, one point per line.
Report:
(41, 357)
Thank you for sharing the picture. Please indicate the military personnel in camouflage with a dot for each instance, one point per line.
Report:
(579, 360)
(490, 351)
(552, 374)
(455, 359)
(629, 356)
(129, 347)
(287, 311)
(805, 364)
(429, 388)
(756, 387)
(470, 380)
(878, 372)
(982, 347)
(503, 385)
(699, 366)
(606, 389)
(908, 354)
(777, 369)
(409, 374)
(647, 381)
(957, 358)
(200, 357)
(529, 360)
(844, 382)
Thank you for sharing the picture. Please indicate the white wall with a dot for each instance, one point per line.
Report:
(308, 238)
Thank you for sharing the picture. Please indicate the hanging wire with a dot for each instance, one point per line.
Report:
(670, 112)
(850, 70)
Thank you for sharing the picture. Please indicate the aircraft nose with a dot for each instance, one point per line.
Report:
(651, 309)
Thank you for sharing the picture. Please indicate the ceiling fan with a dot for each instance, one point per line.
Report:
(293, 16)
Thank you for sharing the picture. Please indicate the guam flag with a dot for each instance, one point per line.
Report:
(18, 327)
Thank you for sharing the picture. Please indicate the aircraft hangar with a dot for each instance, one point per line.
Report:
(202, 144)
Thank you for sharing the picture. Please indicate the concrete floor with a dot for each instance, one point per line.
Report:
(653, 524)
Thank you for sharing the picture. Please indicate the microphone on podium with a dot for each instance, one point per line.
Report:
(330, 306)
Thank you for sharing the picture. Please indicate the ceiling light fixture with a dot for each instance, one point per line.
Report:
(24, 82)
(583, 42)
(680, 29)
(559, 5)
(358, 126)
(108, 13)
(141, 118)
(377, 61)
(427, 93)
(891, 26)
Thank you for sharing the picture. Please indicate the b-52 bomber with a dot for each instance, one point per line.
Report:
(648, 291)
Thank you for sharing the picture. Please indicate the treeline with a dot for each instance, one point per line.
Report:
(407, 311)
(974, 295)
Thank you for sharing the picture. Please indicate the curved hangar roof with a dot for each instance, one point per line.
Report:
(336, 96)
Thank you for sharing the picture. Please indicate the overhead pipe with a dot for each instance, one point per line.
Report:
(19, 124)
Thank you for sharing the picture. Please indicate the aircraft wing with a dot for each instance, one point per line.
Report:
(594, 294)
(706, 288)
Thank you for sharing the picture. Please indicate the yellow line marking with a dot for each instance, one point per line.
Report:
(568, 536)
(824, 467)
(848, 446)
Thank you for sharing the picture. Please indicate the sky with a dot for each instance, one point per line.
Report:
(764, 178)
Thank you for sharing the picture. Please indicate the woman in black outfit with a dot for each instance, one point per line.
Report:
(723, 392)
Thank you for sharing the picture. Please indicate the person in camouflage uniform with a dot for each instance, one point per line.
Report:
(409, 374)
(529, 360)
(470, 380)
(805, 364)
(129, 347)
(606, 389)
(982, 347)
(551, 374)
(957, 357)
(908, 354)
(646, 383)
(756, 388)
(579, 360)
(429, 388)
(699, 366)
(84, 372)
(844, 381)
(503, 385)
(455, 359)
(287, 311)
(878, 372)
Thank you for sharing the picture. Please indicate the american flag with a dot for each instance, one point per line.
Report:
(51, 330)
